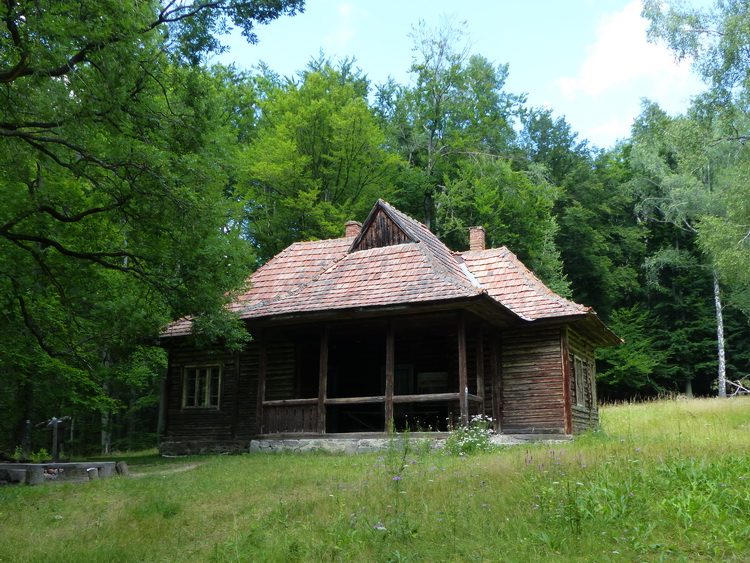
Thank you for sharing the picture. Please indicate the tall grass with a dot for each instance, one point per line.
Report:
(666, 480)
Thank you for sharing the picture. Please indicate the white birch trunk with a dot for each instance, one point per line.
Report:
(720, 338)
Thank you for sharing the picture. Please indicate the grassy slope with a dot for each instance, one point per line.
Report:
(662, 480)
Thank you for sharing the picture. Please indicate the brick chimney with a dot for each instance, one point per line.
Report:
(353, 228)
(476, 238)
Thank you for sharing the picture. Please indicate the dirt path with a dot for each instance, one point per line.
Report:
(179, 469)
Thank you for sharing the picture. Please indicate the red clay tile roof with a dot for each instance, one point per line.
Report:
(328, 275)
(511, 283)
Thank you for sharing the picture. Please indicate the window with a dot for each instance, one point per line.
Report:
(201, 387)
(579, 382)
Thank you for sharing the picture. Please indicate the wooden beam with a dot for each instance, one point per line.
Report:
(567, 402)
(355, 400)
(497, 382)
(262, 369)
(390, 374)
(463, 370)
(290, 402)
(323, 379)
(480, 367)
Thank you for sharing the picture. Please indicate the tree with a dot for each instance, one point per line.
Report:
(635, 365)
(316, 159)
(115, 158)
(515, 210)
(717, 40)
(455, 109)
(676, 178)
(598, 237)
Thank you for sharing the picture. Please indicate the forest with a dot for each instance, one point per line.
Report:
(141, 184)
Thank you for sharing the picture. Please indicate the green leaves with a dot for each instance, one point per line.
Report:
(317, 158)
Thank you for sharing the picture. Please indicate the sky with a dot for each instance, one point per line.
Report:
(586, 60)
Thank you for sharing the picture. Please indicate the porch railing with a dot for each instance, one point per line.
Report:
(298, 416)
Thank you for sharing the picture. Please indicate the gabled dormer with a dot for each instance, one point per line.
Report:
(383, 227)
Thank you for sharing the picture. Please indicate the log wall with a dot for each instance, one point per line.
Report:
(584, 416)
(532, 382)
(235, 419)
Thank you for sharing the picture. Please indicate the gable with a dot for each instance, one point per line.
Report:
(380, 230)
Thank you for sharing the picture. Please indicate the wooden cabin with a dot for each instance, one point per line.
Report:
(387, 328)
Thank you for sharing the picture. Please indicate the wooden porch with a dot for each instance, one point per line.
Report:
(424, 371)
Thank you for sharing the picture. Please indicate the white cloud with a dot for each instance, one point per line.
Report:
(605, 134)
(338, 40)
(622, 56)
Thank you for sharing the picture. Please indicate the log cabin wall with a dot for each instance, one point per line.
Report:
(191, 430)
(584, 408)
(281, 370)
(532, 382)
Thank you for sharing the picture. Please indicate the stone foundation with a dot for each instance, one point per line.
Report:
(343, 445)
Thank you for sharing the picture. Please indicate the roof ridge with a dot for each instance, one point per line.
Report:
(446, 276)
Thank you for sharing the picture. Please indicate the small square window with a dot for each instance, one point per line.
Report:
(202, 387)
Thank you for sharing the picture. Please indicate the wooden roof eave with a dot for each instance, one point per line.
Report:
(587, 323)
(481, 305)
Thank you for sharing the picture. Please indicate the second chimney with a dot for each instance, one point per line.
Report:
(353, 229)
(476, 238)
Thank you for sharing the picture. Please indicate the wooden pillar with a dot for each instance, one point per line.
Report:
(480, 369)
(262, 369)
(390, 374)
(497, 382)
(236, 394)
(463, 370)
(323, 379)
(567, 400)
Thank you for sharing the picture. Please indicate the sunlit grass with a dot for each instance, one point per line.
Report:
(663, 480)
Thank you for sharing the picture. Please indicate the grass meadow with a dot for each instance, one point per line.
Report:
(660, 481)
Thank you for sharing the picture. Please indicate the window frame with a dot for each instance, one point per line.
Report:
(579, 381)
(203, 377)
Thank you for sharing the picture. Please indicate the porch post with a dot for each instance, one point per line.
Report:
(236, 394)
(262, 368)
(323, 380)
(390, 373)
(463, 372)
(480, 368)
(497, 382)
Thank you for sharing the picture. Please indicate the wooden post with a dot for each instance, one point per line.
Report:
(497, 382)
(236, 394)
(390, 374)
(567, 400)
(323, 379)
(262, 369)
(463, 373)
(480, 369)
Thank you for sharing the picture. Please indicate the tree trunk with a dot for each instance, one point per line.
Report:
(106, 425)
(689, 388)
(720, 338)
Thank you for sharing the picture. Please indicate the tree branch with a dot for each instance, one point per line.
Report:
(95, 257)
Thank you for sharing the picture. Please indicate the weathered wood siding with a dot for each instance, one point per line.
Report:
(587, 415)
(382, 232)
(281, 370)
(208, 424)
(290, 419)
(532, 382)
(247, 398)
